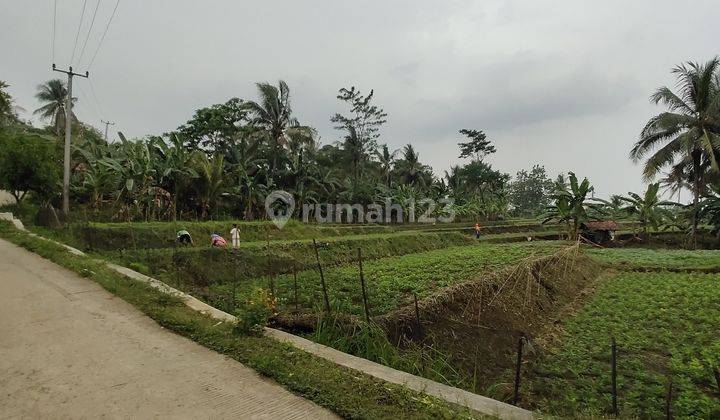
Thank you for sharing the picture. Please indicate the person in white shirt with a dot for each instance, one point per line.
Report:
(235, 235)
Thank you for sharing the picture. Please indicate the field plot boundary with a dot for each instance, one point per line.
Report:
(483, 405)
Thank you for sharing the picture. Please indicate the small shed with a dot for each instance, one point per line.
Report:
(600, 231)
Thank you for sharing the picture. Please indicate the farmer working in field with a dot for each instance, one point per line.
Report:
(184, 238)
(477, 230)
(217, 241)
(235, 236)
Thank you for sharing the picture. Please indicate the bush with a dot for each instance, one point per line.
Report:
(29, 162)
(253, 314)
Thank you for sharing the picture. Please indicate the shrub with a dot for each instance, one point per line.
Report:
(253, 314)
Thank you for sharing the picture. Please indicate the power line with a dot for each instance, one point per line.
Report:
(104, 33)
(92, 22)
(95, 98)
(82, 16)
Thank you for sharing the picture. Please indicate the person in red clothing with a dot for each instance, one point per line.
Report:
(217, 241)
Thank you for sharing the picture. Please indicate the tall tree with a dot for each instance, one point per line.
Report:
(477, 146)
(362, 126)
(52, 94)
(215, 127)
(529, 191)
(689, 130)
(273, 114)
(386, 160)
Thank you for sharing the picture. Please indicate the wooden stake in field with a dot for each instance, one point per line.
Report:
(668, 400)
(613, 378)
(362, 284)
(518, 367)
(417, 316)
(322, 278)
(297, 302)
(235, 281)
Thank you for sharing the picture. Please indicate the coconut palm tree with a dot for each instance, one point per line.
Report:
(53, 94)
(688, 130)
(386, 159)
(411, 171)
(273, 114)
(210, 182)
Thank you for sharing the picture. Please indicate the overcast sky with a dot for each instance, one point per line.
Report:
(564, 84)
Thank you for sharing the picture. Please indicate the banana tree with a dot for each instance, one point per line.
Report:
(648, 209)
(570, 205)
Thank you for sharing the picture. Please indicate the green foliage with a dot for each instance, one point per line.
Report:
(391, 281)
(648, 209)
(665, 326)
(53, 95)
(570, 205)
(641, 258)
(529, 192)
(253, 313)
(215, 127)
(478, 145)
(29, 163)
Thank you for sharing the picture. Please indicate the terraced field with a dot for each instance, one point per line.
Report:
(665, 324)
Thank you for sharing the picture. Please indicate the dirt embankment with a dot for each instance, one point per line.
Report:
(478, 323)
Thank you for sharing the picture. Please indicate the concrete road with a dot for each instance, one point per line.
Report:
(69, 349)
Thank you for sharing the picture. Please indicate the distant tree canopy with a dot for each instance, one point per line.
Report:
(529, 192)
(217, 127)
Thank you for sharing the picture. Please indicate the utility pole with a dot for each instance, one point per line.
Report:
(68, 136)
(107, 123)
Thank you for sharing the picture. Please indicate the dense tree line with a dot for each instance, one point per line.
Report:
(227, 157)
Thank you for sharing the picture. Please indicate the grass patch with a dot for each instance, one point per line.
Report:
(665, 325)
(344, 391)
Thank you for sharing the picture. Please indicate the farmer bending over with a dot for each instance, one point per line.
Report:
(184, 238)
(217, 241)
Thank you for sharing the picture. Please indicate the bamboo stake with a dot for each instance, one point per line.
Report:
(322, 278)
(362, 284)
(614, 376)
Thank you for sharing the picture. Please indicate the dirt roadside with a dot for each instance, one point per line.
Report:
(70, 349)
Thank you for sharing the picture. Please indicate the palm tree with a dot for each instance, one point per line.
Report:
(274, 115)
(648, 208)
(411, 170)
(386, 159)
(689, 130)
(173, 166)
(210, 181)
(53, 94)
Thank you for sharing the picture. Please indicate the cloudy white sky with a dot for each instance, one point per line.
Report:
(564, 84)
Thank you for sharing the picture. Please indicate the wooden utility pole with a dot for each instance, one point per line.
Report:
(107, 123)
(68, 136)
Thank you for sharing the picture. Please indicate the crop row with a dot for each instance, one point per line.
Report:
(392, 281)
(665, 325)
(638, 258)
(199, 267)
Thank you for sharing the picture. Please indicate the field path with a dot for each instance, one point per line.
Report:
(70, 349)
